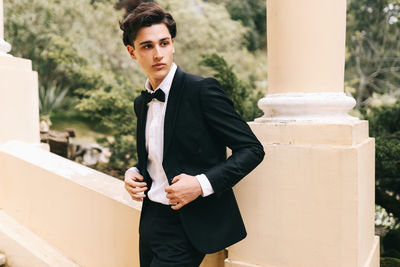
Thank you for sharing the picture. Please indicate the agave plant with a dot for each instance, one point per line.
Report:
(51, 97)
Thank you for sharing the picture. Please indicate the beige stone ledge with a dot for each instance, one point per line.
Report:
(70, 170)
(374, 257)
(231, 263)
(311, 133)
(15, 63)
(24, 248)
(77, 210)
(83, 213)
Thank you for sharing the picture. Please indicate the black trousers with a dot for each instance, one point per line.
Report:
(163, 242)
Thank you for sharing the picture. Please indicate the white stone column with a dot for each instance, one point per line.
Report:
(306, 55)
(310, 203)
(4, 46)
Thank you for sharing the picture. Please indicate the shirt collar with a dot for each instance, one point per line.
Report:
(165, 85)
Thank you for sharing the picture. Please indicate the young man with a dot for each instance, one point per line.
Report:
(184, 124)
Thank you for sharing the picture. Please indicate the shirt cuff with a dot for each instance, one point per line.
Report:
(128, 172)
(133, 169)
(205, 185)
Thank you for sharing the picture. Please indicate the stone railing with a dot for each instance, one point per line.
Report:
(85, 215)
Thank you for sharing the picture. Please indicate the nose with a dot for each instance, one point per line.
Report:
(157, 53)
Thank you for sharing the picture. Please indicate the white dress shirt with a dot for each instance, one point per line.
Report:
(155, 144)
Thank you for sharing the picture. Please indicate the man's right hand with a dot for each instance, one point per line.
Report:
(134, 185)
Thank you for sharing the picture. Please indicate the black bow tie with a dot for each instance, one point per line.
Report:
(158, 94)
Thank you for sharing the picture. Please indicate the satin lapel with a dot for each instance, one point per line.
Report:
(174, 98)
(141, 135)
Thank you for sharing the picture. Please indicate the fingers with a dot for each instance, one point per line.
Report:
(135, 177)
(172, 198)
(139, 177)
(136, 193)
(173, 201)
(176, 179)
(132, 174)
(138, 198)
(135, 184)
(169, 189)
(135, 190)
(177, 206)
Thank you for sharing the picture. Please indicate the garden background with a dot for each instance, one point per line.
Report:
(88, 81)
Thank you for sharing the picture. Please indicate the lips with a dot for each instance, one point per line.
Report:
(159, 65)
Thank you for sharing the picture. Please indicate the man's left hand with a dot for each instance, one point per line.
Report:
(184, 189)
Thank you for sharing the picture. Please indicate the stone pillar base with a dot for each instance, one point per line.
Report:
(19, 101)
(372, 261)
(374, 256)
(318, 107)
(310, 203)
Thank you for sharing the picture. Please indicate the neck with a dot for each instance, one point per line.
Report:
(154, 84)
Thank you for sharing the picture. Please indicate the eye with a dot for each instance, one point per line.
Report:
(147, 46)
(164, 43)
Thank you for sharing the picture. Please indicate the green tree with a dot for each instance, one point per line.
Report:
(114, 110)
(244, 96)
(66, 42)
(384, 124)
(373, 46)
(207, 28)
(253, 15)
(76, 46)
(77, 50)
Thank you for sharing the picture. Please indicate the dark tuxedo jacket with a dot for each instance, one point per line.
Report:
(200, 122)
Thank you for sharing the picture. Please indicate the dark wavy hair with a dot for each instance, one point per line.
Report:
(145, 15)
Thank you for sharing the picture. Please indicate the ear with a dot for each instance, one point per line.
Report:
(173, 46)
(131, 51)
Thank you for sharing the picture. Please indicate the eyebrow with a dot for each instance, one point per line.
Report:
(149, 42)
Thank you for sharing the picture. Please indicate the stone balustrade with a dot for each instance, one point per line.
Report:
(87, 216)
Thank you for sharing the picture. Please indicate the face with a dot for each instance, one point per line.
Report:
(153, 49)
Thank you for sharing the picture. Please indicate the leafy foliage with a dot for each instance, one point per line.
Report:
(252, 14)
(114, 110)
(391, 241)
(76, 47)
(65, 41)
(385, 126)
(207, 28)
(389, 262)
(383, 120)
(244, 96)
(373, 45)
(128, 5)
(50, 98)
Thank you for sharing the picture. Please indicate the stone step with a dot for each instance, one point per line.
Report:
(24, 248)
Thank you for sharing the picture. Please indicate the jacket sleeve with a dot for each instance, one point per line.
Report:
(135, 109)
(233, 132)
